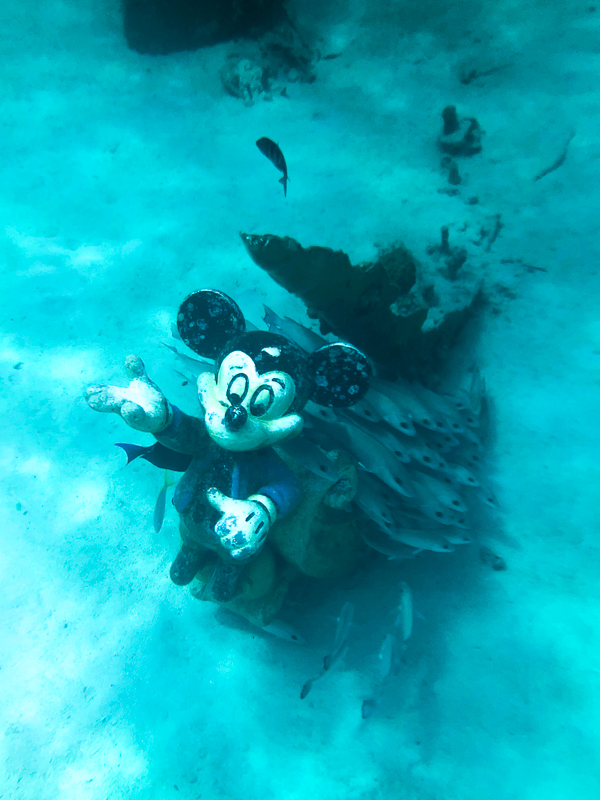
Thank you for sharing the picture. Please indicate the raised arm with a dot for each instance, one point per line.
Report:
(143, 406)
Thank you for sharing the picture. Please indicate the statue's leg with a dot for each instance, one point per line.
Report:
(226, 581)
(192, 555)
(187, 563)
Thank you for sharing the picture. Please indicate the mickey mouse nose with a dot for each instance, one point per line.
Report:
(235, 418)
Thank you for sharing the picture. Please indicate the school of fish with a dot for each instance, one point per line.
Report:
(418, 454)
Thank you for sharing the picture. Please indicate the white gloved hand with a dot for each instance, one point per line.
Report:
(244, 524)
(142, 405)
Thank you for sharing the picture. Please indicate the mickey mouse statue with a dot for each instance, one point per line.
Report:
(234, 486)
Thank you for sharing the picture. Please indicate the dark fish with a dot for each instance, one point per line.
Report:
(273, 152)
(157, 454)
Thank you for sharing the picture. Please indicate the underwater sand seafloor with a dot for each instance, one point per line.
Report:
(126, 180)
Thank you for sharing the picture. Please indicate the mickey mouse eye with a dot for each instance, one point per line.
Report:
(261, 401)
(237, 389)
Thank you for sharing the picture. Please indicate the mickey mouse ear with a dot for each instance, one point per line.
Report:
(341, 375)
(208, 320)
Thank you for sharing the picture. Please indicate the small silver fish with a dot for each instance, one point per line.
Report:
(339, 650)
(440, 441)
(331, 659)
(469, 458)
(489, 498)
(369, 705)
(473, 397)
(404, 618)
(188, 379)
(461, 400)
(443, 491)
(161, 500)
(343, 626)
(375, 458)
(420, 452)
(319, 437)
(469, 401)
(283, 631)
(386, 662)
(441, 408)
(194, 363)
(304, 337)
(423, 540)
(374, 508)
(413, 518)
(380, 491)
(322, 413)
(462, 403)
(477, 391)
(364, 410)
(457, 537)
(310, 456)
(460, 474)
(433, 508)
(402, 393)
(385, 435)
(386, 655)
(389, 547)
(472, 438)
(390, 411)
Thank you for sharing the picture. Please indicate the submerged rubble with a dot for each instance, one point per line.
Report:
(461, 136)
(262, 70)
(402, 311)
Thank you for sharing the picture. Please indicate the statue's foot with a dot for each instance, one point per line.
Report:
(225, 582)
(186, 564)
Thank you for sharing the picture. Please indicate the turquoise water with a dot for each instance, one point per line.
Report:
(126, 179)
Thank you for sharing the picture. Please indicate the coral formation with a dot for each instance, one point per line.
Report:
(461, 136)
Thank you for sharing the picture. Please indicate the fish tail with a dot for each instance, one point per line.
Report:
(133, 451)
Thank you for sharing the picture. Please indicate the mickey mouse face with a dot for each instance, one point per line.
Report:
(245, 410)
(266, 396)
(262, 380)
